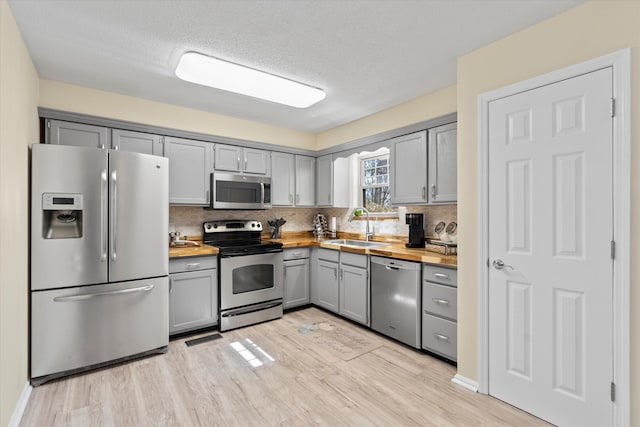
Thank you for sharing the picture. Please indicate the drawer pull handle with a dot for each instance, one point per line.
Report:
(440, 301)
(441, 275)
(193, 265)
(441, 337)
(296, 254)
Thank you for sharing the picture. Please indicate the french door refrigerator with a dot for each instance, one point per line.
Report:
(99, 258)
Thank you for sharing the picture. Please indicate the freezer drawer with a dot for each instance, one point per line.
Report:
(73, 328)
(440, 336)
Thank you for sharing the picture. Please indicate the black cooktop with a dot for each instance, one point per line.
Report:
(237, 237)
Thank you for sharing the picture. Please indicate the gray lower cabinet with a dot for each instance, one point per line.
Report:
(296, 277)
(193, 293)
(327, 286)
(440, 311)
(354, 287)
(190, 167)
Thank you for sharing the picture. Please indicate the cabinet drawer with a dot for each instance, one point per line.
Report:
(356, 260)
(440, 336)
(439, 299)
(178, 265)
(329, 254)
(296, 253)
(446, 276)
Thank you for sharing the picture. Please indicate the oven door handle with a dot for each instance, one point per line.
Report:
(252, 309)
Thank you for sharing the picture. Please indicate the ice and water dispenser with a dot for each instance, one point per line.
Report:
(61, 216)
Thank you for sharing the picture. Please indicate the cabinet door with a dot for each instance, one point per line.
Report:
(408, 157)
(324, 180)
(189, 170)
(193, 300)
(443, 161)
(327, 285)
(138, 142)
(305, 181)
(354, 293)
(228, 158)
(80, 135)
(296, 283)
(282, 179)
(256, 161)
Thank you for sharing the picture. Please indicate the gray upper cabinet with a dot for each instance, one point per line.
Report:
(443, 162)
(408, 156)
(228, 158)
(305, 181)
(138, 142)
(189, 171)
(324, 180)
(237, 159)
(282, 179)
(78, 134)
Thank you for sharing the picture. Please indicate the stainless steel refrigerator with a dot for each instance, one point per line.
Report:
(99, 258)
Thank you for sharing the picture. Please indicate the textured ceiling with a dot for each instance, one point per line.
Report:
(367, 55)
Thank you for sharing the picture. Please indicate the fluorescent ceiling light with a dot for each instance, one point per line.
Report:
(209, 71)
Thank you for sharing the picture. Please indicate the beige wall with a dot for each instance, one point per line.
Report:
(18, 129)
(423, 108)
(79, 99)
(585, 32)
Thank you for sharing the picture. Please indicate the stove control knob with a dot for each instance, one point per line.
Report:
(215, 225)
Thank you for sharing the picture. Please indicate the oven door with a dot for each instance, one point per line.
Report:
(251, 279)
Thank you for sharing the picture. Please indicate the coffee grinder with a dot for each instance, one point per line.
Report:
(416, 230)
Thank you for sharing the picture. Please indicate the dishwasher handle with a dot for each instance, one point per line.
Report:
(392, 264)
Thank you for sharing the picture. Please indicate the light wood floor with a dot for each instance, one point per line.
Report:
(336, 375)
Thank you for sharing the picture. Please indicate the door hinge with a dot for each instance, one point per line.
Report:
(612, 107)
(613, 391)
(613, 249)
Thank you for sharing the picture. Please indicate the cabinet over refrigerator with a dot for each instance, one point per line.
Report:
(99, 258)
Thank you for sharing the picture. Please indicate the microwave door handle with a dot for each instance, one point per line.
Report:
(262, 193)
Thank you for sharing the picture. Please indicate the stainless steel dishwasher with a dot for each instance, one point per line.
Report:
(395, 299)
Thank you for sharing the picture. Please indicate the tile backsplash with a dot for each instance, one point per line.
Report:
(188, 220)
(432, 215)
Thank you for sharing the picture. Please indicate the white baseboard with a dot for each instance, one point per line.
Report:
(465, 382)
(20, 406)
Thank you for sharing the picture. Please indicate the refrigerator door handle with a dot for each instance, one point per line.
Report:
(103, 216)
(114, 214)
(147, 288)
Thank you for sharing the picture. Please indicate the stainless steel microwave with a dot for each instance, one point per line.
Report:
(235, 191)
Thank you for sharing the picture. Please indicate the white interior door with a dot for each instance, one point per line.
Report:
(551, 225)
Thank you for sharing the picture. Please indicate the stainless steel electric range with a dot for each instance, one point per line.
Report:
(250, 272)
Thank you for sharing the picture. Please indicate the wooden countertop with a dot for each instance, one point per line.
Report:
(390, 249)
(184, 251)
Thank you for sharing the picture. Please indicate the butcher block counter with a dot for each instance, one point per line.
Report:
(393, 248)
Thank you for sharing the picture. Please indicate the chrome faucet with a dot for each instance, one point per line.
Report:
(367, 233)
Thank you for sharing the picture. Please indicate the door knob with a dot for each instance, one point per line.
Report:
(498, 264)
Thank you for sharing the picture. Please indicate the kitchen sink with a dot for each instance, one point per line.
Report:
(355, 243)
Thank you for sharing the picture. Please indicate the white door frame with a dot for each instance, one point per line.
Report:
(620, 61)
